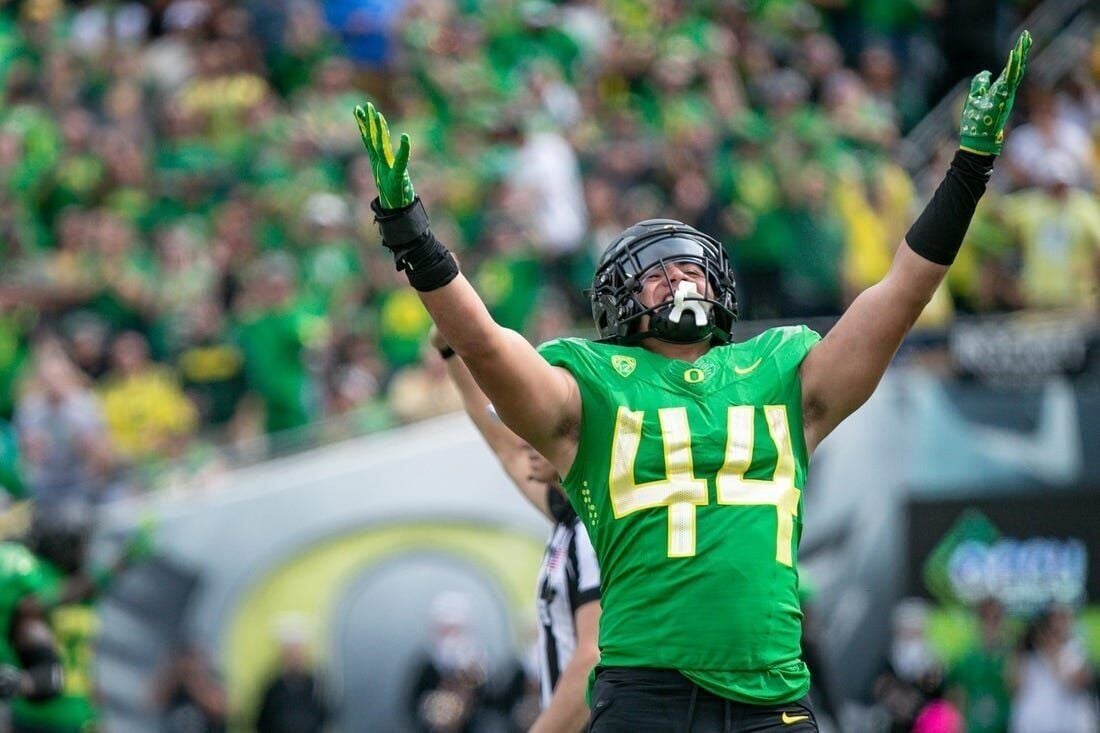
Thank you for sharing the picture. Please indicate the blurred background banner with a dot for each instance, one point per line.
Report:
(361, 536)
(358, 540)
(217, 405)
(897, 484)
(1043, 563)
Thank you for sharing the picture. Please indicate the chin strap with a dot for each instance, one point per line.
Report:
(682, 302)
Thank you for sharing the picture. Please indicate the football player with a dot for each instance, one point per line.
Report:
(30, 665)
(685, 454)
(47, 597)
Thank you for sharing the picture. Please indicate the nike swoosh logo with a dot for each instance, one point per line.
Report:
(742, 371)
(789, 719)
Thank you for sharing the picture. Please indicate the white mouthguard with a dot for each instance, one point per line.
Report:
(687, 299)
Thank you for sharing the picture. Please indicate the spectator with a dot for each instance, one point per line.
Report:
(122, 284)
(914, 675)
(304, 45)
(66, 453)
(86, 337)
(509, 277)
(143, 403)
(354, 395)
(30, 672)
(189, 695)
(332, 274)
(978, 682)
(210, 364)
(325, 101)
(67, 581)
(1056, 231)
(812, 282)
(448, 693)
(1053, 680)
(1049, 137)
(547, 190)
(424, 390)
(294, 699)
(188, 277)
(275, 334)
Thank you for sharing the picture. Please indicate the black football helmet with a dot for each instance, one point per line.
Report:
(653, 243)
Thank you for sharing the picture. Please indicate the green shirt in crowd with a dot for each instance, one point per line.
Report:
(980, 674)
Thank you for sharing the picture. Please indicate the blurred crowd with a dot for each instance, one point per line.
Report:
(1018, 675)
(453, 687)
(193, 276)
(190, 694)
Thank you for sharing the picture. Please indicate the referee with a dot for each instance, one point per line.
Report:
(569, 579)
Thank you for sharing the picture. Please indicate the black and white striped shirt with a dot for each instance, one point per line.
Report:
(568, 579)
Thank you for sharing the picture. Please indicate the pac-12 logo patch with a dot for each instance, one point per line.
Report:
(624, 365)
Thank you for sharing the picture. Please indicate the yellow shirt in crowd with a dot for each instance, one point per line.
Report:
(1059, 241)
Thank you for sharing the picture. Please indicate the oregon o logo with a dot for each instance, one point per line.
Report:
(694, 376)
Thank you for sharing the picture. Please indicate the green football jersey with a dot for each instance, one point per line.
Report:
(23, 574)
(74, 627)
(689, 479)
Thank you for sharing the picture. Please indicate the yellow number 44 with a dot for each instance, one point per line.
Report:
(681, 491)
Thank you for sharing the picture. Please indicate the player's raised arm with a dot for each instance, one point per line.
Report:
(840, 373)
(539, 402)
(518, 459)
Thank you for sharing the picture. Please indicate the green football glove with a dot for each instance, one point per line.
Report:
(988, 105)
(391, 174)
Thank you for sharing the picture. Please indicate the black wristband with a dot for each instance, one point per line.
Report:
(938, 232)
(405, 232)
(401, 227)
(446, 352)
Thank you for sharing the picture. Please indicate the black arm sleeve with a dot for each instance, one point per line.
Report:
(938, 232)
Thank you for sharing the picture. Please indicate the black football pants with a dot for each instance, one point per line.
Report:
(637, 700)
